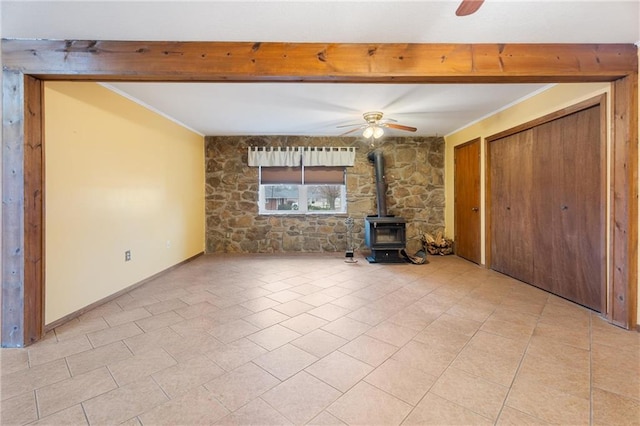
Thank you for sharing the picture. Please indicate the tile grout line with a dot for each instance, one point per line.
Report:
(35, 397)
(513, 380)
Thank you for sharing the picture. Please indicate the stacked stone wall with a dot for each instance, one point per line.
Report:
(414, 173)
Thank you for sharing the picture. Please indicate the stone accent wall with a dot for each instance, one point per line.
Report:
(415, 191)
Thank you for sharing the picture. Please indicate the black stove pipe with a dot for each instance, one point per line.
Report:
(381, 188)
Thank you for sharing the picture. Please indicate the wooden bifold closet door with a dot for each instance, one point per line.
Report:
(511, 210)
(548, 206)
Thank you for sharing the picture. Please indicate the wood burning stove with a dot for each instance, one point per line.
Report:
(384, 234)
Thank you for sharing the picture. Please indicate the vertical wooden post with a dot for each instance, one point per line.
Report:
(12, 209)
(624, 203)
(34, 288)
(22, 210)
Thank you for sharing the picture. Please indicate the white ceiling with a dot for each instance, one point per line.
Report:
(314, 108)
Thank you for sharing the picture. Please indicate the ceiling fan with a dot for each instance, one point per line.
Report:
(375, 124)
(467, 7)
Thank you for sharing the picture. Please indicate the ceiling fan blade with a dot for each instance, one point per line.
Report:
(400, 127)
(350, 131)
(467, 7)
(351, 125)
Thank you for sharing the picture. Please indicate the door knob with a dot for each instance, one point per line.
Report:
(475, 209)
(564, 208)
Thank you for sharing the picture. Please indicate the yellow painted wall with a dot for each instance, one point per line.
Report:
(118, 177)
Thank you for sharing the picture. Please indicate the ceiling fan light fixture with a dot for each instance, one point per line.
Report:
(375, 125)
(373, 130)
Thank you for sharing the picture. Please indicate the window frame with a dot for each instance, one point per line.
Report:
(303, 196)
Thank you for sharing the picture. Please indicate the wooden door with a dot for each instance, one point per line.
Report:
(511, 215)
(467, 200)
(569, 258)
(547, 170)
(500, 217)
(521, 184)
(579, 221)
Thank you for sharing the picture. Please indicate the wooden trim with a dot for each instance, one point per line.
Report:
(606, 191)
(34, 210)
(487, 204)
(478, 139)
(600, 99)
(114, 296)
(79, 60)
(624, 203)
(328, 62)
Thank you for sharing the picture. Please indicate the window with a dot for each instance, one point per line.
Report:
(302, 190)
(302, 180)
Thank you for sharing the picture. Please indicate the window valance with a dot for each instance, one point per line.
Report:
(275, 156)
(296, 156)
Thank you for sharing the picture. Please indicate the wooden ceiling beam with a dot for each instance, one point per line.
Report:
(320, 62)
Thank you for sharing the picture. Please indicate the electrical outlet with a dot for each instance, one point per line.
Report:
(127, 255)
(228, 234)
(168, 243)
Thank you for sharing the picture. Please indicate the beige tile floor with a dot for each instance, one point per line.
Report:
(309, 339)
